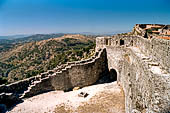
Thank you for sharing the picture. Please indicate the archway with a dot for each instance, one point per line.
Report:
(113, 75)
(110, 77)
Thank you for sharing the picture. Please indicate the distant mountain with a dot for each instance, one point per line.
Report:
(7, 44)
(104, 33)
(13, 36)
(31, 58)
(38, 37)
(24, 38)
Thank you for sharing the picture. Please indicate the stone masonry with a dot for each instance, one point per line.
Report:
(64, 77)
(142, 67)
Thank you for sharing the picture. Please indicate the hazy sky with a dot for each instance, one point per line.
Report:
(53, 16)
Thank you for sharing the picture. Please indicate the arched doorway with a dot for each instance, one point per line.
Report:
(110, 77)
(113, 75)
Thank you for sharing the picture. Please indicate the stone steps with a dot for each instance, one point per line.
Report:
(37, 80)
(32, 86)
(154, 66)
(29, 88)
(46, 75)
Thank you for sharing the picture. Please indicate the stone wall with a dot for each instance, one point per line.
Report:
(142, 66)
(145, 82)
(16, 87)
(116, 41)
(158, 49)
(145, 90)
(64, 77)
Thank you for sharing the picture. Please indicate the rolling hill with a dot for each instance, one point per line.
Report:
(34, 57)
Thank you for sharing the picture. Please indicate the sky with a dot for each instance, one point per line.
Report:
(75, 16)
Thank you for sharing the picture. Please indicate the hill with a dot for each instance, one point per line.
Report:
(8, 42)
(13, 36)
(30, 59)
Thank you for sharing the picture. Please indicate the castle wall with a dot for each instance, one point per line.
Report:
(64, 77)
(145, 83)
(142, 66)
(158, 49)
(16, 87)
(81, 74)
(145, 90)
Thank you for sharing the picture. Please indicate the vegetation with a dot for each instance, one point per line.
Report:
(149, 30)
(7, 44)
(29, 59)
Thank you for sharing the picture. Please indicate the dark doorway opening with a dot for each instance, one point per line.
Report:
(146, 35)
(107, 42)
(131, 42)
(113, 75)
(116, 42)
(122, 42)
(110, 77)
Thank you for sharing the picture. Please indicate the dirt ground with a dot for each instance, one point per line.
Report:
(102, 98)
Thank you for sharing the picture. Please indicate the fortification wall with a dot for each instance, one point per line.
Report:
(79, 74)
(158, 49)
(145, 83)
(116, 41)
(146, 90)
(64, 77)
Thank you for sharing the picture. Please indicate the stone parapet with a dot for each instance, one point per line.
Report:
(63, 77)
